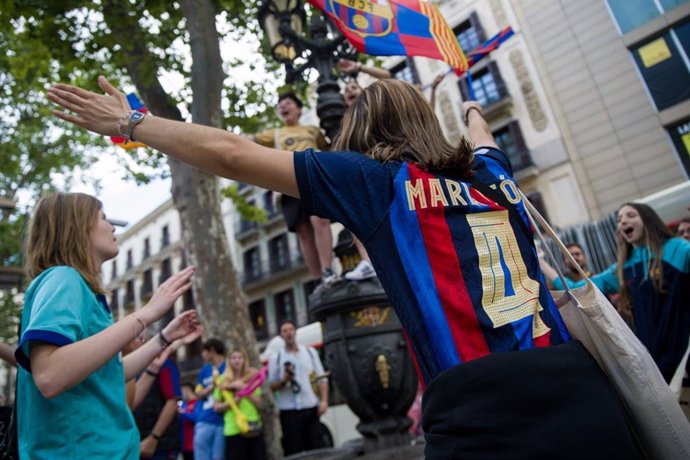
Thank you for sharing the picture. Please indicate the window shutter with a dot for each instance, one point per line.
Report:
(464, 91)
(524, 158)
(500, 84)
(477, 25)
(413, 70)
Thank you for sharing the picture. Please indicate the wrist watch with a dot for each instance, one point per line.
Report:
(134, 119)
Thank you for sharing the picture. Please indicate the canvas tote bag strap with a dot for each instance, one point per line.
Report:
(536, 218)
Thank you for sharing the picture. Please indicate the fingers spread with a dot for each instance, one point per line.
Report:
(111, 90)
(63, 99)
(71, 118)
(83, 93)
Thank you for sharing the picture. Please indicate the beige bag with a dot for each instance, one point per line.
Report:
(656, 415)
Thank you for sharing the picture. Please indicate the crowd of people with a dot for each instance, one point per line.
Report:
(447, 243)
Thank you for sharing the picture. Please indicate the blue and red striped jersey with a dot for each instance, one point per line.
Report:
(460, 273)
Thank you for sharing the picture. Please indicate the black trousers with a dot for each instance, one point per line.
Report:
(240, 448)
(546, 403)
(300, 430)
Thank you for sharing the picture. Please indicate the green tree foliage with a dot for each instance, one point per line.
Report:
(70, 41)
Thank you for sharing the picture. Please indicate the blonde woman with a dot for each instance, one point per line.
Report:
(242, 428)
(71, 383)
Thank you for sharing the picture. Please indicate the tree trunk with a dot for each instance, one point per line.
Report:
(207, 83)
(220, 301)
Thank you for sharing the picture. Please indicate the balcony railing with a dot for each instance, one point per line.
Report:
(272, 267)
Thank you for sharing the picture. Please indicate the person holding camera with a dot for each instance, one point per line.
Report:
(291, 372)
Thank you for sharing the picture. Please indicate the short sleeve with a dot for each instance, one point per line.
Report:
(55, 312)
(266, 138)
(607, 281)
(169, 382)
(498, 156)
(345, 187)
(200, 379)
(317, 361)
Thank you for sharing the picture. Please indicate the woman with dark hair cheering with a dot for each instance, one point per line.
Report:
(652, 275)
(446, 231)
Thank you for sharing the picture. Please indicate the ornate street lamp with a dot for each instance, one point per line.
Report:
(282, 22)
(363, 342)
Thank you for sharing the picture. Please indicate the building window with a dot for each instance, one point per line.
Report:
(631, 14)
(278, 251)
(147, 248)
(130, 259)
(147, 284)
(680, 135)
(165, 237)
(470, 33)
(129, 293)
(664, 66)
(257, 314)
(487, 84)
(188, 300)
(268, 204)
(166, 271)
(114, 271)
(115, 300)
(406, 71)
(252, 264)
(510, 140)
(247, 225)
(285, 306)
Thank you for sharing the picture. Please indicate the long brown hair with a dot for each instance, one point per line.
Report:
(60, 234)
(391, 120)
(655, 235)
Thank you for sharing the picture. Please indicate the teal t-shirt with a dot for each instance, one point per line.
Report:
(92, 419)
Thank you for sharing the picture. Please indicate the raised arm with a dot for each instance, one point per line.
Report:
(58, 369)
(352, 67)
(213, 150)
(480, 134)
(434, 85)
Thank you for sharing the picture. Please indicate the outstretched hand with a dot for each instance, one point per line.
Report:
(158, 362)
(184, 327)
(347, 66)
(99, 113)
(166, 295)
(437, 81)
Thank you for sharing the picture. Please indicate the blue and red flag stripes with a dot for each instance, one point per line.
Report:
(488, 46)
(396, 28)
(135, 104)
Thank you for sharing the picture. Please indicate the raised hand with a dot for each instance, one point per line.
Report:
(184, 327)
(100, 113)
(158, 362)
(166, 295)
(348, 66)
(437, 81)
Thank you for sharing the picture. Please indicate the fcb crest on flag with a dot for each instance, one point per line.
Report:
(363, 17)
(396, 28)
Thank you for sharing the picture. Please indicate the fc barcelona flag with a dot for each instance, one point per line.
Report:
(396, 28)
